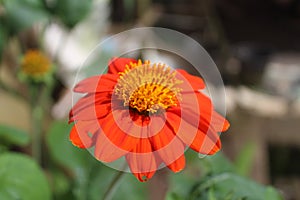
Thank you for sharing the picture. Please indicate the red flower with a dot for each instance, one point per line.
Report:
(146, 112)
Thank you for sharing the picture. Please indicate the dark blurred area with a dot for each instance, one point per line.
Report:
(249, 30)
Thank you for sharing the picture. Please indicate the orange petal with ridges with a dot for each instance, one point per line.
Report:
(197, 109)
(178, 164)
(117, 136)
(82, 133)
(205, 143)
(117, 65)
(91, 113)
(190, 82)
(168, 147)
(106, 151)
(102, 83)
(142, 165)
(219, 122)
(91, 100)
(75, 139)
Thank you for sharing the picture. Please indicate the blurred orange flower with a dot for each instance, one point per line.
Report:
(35, 63)
(36, 68)
(148, 113)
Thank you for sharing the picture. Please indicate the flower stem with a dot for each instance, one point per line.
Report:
(36, 121)
(36, 132)
(113, 185)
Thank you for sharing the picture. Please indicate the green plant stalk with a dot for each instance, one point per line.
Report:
(37, 92)
(113, 185)
(37, 115)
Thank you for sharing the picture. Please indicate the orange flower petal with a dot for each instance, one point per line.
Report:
(133, 126)
(117, 65)
(106, 151)
(88, 102)
(75, 139)
(93, 112)
(142, 165)
(143, 177)
(219, 122)
(82, 133)
(115, 134)
(168, 147)
(197, 109)
(202, 142)
(103, 83)
(178, 164)
(190, 82)
(90, 99)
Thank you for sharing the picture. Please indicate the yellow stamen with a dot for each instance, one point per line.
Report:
(148, 88)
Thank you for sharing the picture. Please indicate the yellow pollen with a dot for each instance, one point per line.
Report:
(148, 88)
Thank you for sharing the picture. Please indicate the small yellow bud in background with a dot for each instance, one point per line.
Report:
(35, 63)
(35, 66)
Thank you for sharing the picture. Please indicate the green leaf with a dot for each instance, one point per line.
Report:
(216, 164)
(3, 148)
(181, 184)
(244, 160)
(128, 187)
(13, 136)
(237, 187)
(72, 11)
(60, 183)
(173, 196)
(21, 178)
(22, 14)
(211, 195)
(78, 161)
(3, 39)
(63, 151)
(91, 177)
(271, 194)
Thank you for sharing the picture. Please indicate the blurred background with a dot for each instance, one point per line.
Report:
(255, 45)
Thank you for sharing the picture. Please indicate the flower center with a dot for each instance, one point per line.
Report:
(35, 63)
(148, 88)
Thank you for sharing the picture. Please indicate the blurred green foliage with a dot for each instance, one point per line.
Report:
(219, 179)
(22, 14)
(89, 178)
(22, 178)
(76, 161)
(244, 159)
(3, 38)
(10, 136)
(74, 173)
(70, 12)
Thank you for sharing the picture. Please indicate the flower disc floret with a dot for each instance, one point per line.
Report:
(148, 88)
